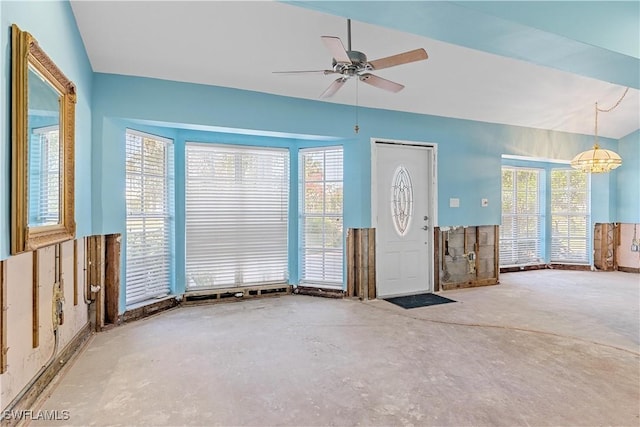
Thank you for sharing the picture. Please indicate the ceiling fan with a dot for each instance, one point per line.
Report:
(352, 63)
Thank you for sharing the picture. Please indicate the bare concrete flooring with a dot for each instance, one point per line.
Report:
(543, 348)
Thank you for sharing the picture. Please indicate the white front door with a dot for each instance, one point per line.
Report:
(402, 183)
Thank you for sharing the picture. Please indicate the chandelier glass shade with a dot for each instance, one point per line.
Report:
(596, 160)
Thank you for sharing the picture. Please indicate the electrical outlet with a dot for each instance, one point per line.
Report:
(635, 248)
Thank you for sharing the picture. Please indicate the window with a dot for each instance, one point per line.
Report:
(321, 206)
(570, 216)
(237, 202)
(522, 220)
(149, 193)
(44, 176)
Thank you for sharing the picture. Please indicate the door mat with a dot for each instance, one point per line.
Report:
(420, 300)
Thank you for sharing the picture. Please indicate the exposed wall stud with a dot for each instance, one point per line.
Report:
(3, 317)
(436, 259)
(75, 272)
(371, 262)
(496, 253)
(112, 278)
(351, 273)
(35, 309)
(96, 278)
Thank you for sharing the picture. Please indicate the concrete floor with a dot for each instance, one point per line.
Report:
(543, 348)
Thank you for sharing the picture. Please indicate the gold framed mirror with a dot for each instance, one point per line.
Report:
(42, 147)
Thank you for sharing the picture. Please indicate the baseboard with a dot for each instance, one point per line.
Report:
(149, 310)
(32, 395)
(552, 266)
(523, 268)
(469, 284)
(628, 269)
(319, 292)
(576, 267)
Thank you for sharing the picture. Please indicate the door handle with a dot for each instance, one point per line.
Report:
(426, 227)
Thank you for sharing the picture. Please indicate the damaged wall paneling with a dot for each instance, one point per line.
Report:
(466, 256)
(361, 263)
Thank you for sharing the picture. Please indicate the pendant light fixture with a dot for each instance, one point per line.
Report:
(598, 160)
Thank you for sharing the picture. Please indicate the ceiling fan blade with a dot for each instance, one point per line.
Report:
(336, 48)
(399, 59)
(381, 83)
(325, 72)
(335, 86)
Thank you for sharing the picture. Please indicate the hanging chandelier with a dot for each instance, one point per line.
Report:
(598, 160)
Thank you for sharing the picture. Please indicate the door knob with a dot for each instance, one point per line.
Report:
(426, 227)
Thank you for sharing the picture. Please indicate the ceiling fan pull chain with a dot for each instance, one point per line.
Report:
(356, 127)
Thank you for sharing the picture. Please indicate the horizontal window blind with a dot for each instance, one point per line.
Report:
(321, 196)
(237, 202)
(522, 220)
(149, 195)
(570, 216)
(44, 176)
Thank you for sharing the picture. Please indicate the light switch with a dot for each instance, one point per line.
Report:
(485, 203)
(454, 203)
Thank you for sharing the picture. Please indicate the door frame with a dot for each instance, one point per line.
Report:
(432, 149)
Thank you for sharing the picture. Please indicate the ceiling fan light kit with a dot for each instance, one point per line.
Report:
(598, 160)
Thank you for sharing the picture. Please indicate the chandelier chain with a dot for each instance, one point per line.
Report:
(602, 110)
(606, 110)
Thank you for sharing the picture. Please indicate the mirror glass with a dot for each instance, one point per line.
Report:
(44, 178)
(42, 148)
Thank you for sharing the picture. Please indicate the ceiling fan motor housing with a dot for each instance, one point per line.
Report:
(358, 64)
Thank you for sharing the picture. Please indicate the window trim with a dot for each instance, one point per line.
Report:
(337, 284)
(588, 238)
(168, 217)
(541, 220)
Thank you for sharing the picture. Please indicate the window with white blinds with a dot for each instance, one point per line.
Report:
(44, 176)
(321, 206)
(570, 216)
(522, 219)
(237, 202)
(149, 194)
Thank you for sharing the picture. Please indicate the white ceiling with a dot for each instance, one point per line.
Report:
(240, 44)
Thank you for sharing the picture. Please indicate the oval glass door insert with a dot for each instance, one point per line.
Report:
(401, 200)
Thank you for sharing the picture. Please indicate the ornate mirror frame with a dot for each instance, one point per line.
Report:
(25, 54)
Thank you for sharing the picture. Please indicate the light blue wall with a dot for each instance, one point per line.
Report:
(53, 25)
(628, 179)
(469, 153)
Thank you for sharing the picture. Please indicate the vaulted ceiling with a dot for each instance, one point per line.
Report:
(533, 64)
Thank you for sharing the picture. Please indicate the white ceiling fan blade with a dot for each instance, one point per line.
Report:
(335, 86)
(336, 48)
(325, 72)
(381, 83)
(399, 59)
